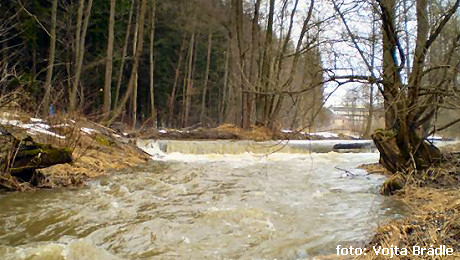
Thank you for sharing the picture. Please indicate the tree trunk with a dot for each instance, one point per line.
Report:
(153, 114)
(109, 62)
(123, 55)
(136, 76)
(81, 36)
(370, 115)
(49, 73)
(133, 78)
(172, 99)
(225, 87)
(367, 130)
(72, 93)
(274, 113)
(394, 159)
(402, 146)
(253, 65)
(189, 85)
(239, 25)
(266, 64)
(206, 77)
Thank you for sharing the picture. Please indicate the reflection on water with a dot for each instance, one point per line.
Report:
(284, 206)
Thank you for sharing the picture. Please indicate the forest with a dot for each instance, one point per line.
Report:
(165, 63)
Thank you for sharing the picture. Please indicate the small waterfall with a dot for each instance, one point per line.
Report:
(161, 147)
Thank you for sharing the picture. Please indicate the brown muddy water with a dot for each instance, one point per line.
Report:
(210, 206)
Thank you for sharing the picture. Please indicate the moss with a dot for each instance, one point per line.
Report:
(102, 140)
(32, 152)
(42, 155)
(385, 133)
(393, 184)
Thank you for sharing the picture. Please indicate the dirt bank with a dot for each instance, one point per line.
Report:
(95, 150)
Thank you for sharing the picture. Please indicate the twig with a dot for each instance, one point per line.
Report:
(346, 171)
(35, 18)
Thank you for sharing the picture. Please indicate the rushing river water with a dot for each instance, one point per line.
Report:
(186, 206)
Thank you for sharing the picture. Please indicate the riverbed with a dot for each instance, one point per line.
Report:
(203, 206)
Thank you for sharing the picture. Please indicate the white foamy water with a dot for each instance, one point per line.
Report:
(203, 206)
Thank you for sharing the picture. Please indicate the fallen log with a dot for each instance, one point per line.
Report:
(24, 157)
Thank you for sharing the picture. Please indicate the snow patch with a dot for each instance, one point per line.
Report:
(32, 129)
(62, 125)
(88, 130)
(434, 138)
(36, 120)
(326, 134)
(163, 131)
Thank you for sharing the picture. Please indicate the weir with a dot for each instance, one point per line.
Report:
(159, 147)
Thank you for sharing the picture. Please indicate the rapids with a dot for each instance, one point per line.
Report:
(244, 205)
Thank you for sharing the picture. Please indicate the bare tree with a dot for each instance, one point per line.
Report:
(49, 73)
(79, 50)
(109, 61)
(123, 55)
(206, 78)
(409, 105)
(172, 97)
(266, 64)
(253, 64)
(188, 81)
(133, 77)
(151, 60)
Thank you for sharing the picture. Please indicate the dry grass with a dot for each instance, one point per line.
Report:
(229, 128)
(433, 200)
(256, 133)
(375, 168)
(424, 228)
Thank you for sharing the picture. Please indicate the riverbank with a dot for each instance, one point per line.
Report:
(232, 132)
(26, 141)
(433, 219)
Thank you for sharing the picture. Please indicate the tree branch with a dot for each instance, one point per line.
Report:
(444, 127)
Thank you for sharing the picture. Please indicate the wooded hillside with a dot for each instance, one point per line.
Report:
(174, 62)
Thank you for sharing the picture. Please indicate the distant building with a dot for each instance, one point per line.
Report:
(351, 119)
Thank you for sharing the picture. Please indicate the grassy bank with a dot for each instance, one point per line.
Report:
(433, 220)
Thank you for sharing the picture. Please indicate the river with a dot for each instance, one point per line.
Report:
(190, 204)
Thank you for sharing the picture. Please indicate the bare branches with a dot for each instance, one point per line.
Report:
(390, 31)
(34, 17)
(441, 25)
(352, 36)
(444, 127)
